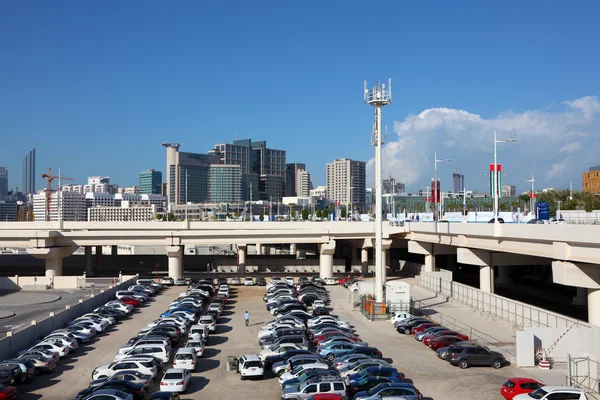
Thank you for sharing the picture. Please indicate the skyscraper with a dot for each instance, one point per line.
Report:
(28, 181)
(3, 181)
(346, 182)
(459, 182)
(187, 175)
(302, 183)
(258, 164)
(150, 182)
(225, 183)
(290, 178)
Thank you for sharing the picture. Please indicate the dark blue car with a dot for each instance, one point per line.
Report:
(386, 372)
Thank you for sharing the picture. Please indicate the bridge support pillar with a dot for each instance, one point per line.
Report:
(484, 260)
(594, 306)
(364, 260)
(89, 270)
(486, 278)
(114, 250)
(293, 249)
(429, 265)
(259, 249)
(175, 254)
(98, 258)
(53, 258)
(326, 251)
(242, 249)
(386, 262)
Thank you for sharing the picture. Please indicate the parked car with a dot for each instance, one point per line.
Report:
(405, 391)
(249, 366)
(137, 390)
(464, 357)
(198, 346)
(146, 367)
(106, 394)
(8, 392)
(261, 281)
(443, 341)
(248, 282)
(553, 392)
(165, 396)
(185, 358)
(236, 281)
(515, 386)
(176, 380)
(306, 390)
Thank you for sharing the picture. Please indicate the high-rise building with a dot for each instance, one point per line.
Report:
(187, 175)
(8, 210)
(291, 169)
(225, 183)
(346, 182)
(390, 186)
(70, 206)
(509, 190)
(303, 185)
(28, 181)
(590, 181)
(258, 164)
(3, 181)
(150, 182)
(458, 182)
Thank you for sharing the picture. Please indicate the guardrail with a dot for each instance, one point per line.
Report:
(521, 314)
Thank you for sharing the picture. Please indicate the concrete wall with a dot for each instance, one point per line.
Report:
(8, 283)
(576, 342)
(68, 282)
(25, 338)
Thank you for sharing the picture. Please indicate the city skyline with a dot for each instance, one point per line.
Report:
(531, 76)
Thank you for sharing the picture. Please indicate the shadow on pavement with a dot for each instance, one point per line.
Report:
(209, 353)
(207, 365)
(198, 383)
(217, 340)
(219, 329)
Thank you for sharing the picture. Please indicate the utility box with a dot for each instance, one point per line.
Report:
(397, 292)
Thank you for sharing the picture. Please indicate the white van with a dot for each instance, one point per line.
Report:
(161, 352)
(185, 358)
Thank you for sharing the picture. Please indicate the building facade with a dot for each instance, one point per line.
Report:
(150, 182)
(390, 186)
(3, 181)
(8, 211)
(509, 190)
(291, 170)
(303, 185)
(187, 175)
(69, 206)
(126, 212)
(346, 182)
(225, 183)
(590, 180)
(458, 181)
(28, 177)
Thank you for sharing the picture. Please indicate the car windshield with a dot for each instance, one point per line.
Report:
(538, 394)
(193, 344)
(173, 375)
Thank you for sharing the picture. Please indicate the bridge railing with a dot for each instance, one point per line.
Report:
(520, 314)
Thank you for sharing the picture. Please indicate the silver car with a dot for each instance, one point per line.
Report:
(345, 361)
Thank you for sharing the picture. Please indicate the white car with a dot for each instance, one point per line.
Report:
(300, 370)
(88, 323)
(328, 319)
(250, 366)
(290, 280)
(553, 392)
(209, 321)
(161, 352)
(110, 320)
(279, 349)
(185, 358)
(60, 349)
(62, 341)
(318, 303)
(330, 281)
(269, 331)
(176, 380)
(198, 346)
(248, 282)
(126, 308)
(107, 371)
(400, 316)
(145, 342)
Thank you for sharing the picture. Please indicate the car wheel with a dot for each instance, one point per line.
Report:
(497, 364)
(330, 357)
(242, 377)
(406, 331)
(279, 373)
(463, 364)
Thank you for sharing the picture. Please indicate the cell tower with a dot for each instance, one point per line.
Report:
(378, 96)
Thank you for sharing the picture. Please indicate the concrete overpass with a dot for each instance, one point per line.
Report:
(572, 250)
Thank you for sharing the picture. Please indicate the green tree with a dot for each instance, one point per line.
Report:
(171, 217)
(236, 214)
(343, 213)
(261, 217)
(305, 214)
(319, 213)
(159, 217)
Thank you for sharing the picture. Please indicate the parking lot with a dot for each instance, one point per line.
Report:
(436, 379)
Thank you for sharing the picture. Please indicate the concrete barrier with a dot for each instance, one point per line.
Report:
(5, 347)
(67, 282)
(61, 318)
(8, 283)
(44, 327)
(23, 339)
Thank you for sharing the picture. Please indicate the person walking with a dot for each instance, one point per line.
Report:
(246, 318)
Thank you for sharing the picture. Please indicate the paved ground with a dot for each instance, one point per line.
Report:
(27, 298)
(37, 307)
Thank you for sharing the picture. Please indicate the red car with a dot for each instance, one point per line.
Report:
(326, 396)
(444, 341)
(515, 386)
(422, 327)
(8, 392)
(429, 338)
(130, 301)
(343, 280)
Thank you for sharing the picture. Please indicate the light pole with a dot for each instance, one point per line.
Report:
(435, 183)
(496, 180)
(532, 181)
(378, 96)
(250, 188)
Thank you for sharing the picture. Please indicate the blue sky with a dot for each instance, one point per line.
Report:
(97, 86)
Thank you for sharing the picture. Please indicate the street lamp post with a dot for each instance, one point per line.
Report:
(436, 213)
(532, 181)
(496, 180)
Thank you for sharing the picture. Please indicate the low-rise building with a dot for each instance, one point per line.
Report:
(126, 212)
(8, 210)
(590, 180)
(69, 206)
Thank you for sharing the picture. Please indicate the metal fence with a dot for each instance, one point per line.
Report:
(377, 311)
(520, 314)
(584, 373)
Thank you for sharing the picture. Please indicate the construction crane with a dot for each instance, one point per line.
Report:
(49, 178)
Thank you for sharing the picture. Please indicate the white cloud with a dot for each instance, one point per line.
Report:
(570, 147)
(544, 139)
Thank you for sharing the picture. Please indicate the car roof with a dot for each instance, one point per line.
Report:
(185, 350)
(523, 380)
(180, 370)
(250, 357)
(562, 389)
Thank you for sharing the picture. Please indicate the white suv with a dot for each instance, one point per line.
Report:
(250, 366)
(553, 392)
(107, 371)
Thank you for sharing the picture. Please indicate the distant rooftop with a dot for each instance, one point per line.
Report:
(596, 168)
